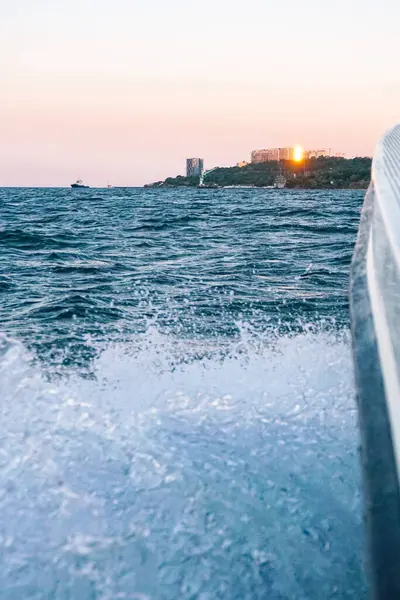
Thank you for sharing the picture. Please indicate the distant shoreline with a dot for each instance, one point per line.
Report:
(334, 173)
(254, 187)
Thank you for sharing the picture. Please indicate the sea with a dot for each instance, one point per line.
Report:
(178, 416)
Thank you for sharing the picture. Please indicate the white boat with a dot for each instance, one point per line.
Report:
(79, 184)
(280, 181)
(375, 322)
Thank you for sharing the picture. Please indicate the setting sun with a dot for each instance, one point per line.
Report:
(298, 153)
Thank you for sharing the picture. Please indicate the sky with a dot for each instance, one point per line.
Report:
(124, 90)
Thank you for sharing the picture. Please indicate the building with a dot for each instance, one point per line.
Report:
(316, 153)
(268, 154)
(242, 163)
(194, 167)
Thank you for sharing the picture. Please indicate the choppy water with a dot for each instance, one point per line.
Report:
(177, 410)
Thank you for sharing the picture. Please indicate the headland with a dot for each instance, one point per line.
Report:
(323, 172)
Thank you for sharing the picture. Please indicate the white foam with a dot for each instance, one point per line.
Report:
(230, 476)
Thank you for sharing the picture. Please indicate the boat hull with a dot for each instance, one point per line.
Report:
(374, 305)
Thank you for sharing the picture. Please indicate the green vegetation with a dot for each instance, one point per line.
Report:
(330, 172)
(315, 173)
(180, 180)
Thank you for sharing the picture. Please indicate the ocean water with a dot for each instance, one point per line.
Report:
(177, 403)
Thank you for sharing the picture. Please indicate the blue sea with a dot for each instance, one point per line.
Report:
(178, 417)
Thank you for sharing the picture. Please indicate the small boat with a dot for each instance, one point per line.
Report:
(280, 181)
(375, 328)
(79, 184)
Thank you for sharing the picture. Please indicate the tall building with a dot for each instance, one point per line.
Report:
(265, 155)
(194, 167)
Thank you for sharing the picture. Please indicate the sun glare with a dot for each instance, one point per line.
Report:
(298, 153)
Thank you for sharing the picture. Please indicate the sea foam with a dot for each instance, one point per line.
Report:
(171, 471)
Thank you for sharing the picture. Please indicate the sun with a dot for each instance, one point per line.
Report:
(298, 154)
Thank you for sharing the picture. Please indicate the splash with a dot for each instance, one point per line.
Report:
(223, 476)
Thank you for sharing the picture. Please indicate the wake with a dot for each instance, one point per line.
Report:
(230, 475)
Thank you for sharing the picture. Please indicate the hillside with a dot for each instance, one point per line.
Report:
(316, 173)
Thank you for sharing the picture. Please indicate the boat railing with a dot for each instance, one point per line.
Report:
(375, 321)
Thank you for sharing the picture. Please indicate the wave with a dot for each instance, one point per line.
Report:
(25, 240)
(177, 470)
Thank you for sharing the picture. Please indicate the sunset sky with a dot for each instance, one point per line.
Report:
(125, 90)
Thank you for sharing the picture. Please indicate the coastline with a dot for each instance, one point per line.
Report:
(332, 173)
(362, 187)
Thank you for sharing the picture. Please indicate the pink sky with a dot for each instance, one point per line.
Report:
(125, 90)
